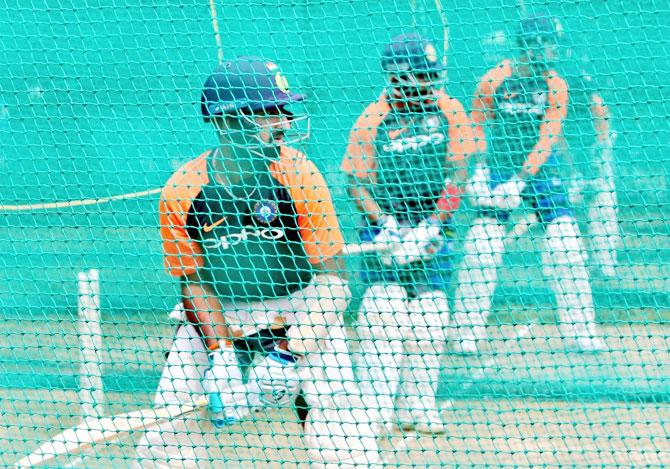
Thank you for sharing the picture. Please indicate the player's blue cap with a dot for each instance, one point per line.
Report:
(246, 83)
(538, 30)
(410, 53)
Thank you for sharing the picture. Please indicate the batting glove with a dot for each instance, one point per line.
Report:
(478, 189)
(225, 388)
(389, 232)
(420, 243)
(507, 196)
(274, 381)
(389, 236)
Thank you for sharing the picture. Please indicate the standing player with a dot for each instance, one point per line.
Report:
(407, 162)
(524, 104)
(249, 230)
(590, 140)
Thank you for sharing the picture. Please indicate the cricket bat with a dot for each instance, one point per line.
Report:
(519, 229)
(99, 430)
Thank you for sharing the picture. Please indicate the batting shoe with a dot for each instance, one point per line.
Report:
(464, 347)
(608, 271)
(383, 429)
(590, 344)
(429, 424)
(467, 340)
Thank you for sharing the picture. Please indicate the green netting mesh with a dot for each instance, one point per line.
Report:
(100, 106)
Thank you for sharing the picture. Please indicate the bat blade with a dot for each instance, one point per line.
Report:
(520, 229)
(363, 248)
(98, 430)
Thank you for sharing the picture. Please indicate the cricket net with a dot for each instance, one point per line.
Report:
(99, 105)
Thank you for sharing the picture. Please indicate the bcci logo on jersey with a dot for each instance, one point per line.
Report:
(266, 211)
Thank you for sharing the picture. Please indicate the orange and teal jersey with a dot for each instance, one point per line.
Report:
(524, 116)
(404, 157)
(250, 247)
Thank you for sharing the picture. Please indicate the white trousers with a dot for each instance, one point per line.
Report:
(190, 441)
(400, 343)
(563, 266)
(336, 432)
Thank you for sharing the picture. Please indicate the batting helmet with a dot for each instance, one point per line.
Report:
(415, 73)
(538, 30)
(538, 37)
(410, 53)
(245, 84)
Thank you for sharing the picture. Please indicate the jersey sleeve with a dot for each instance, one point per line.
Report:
(551, 127)
(462, 143)
(482, 103)
(359, 159)
(319, 228)
(182, 255)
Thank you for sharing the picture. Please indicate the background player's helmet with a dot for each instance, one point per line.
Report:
(414, 71)
(246, 86)
(538, 38)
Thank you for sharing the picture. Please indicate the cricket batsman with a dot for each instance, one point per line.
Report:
(407, 164)
(249, 231)
(523, 105)
(590, 139)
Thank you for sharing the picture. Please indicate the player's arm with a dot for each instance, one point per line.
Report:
(203, 310)
(551, 128)
(462, 146)
(507, 196)
(452, 193)
(322, 240)
(601, 116)
(183, 258)
(359, 190)
(363, 199)
(359, 165)
(482, 110)
(604, 138)
(482, 102)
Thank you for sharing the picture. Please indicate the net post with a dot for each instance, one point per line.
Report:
(91, 392)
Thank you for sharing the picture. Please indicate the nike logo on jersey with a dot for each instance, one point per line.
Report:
(208, 228)
(393, 134)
